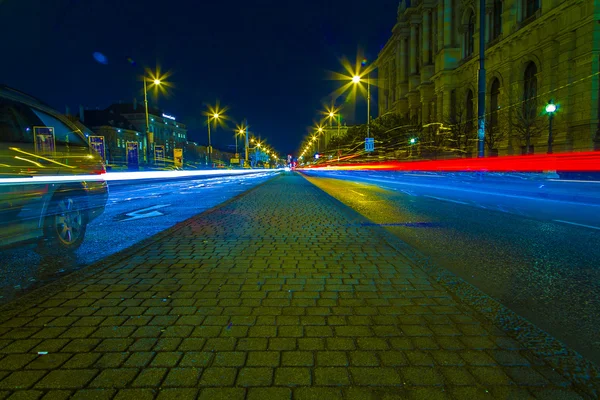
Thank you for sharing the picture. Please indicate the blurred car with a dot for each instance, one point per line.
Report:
(44, 196)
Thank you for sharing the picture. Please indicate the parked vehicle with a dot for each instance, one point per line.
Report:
(46, 193)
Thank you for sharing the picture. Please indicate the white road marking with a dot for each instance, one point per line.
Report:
(408, 193)
(572, 180)
(450, 200)
(143, 213)
(576, 224)
(354, 191)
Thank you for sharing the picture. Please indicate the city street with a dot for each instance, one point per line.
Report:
(511, 237)
(282, 293)
(134, 212)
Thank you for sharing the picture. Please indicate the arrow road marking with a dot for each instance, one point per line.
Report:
(145, 212)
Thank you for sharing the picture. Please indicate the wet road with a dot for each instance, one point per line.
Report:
(133, 213)
(537, 256)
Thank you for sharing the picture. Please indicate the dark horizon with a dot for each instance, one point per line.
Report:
(267, 62)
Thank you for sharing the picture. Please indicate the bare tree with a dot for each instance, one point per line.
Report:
(462, 128)
(496, 131)
(527, 123)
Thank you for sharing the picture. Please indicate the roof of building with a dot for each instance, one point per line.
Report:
(128, 108)
(106, 117)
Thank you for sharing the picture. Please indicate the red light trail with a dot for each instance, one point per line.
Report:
(575, 161)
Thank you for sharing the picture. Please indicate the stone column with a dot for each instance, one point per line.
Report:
(403, 56)
(426, 36)
(413, 49)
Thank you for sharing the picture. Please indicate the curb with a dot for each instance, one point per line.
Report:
(14, 307)
(584, 374)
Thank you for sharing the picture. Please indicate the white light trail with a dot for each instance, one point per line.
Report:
(131, 176)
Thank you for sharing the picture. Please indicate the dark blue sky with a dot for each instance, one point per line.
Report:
(266, 59)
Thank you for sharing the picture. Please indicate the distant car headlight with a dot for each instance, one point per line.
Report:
(287, 169)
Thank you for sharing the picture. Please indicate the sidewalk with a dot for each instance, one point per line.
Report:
(277, 294)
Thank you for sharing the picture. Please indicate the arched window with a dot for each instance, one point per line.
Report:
(530, 7)
(470, 35)
(494, 103)
(469, 111)
(530, 91)
(496, 19)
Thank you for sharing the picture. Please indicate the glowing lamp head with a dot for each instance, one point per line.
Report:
(550, 108)
(320, 129)
(413, 140)
(331, 114)
(216, 115)
(157, 81)
(356, 79)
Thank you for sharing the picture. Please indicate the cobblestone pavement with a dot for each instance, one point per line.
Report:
(266, 297)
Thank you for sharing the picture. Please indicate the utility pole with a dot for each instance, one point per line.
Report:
(481, 97)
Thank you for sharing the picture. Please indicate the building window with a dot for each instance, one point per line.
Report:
(530, 7)
(530, 92)
(496, 19)
(469, 38)
(494, 104)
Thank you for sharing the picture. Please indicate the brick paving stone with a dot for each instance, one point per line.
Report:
(135, 394)
(56, 395)
(67, 379)
(178, 394)
(224, 394)
(150, 377)
(94, 394)
(21, 379)
(255, 376)
(273, 393)
(292, 376)
(183, 377)
(114, 378)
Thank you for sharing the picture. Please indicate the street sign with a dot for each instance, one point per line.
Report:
(178, 157)
(44, 139)
(132, 154)
(369, 144)
(234, 160)
(97, 143)
(159, 154)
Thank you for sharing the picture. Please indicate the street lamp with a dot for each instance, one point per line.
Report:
(215, 114)
(356, 79)
(149, 135)
(550, 110)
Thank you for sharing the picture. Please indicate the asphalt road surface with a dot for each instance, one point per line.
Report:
(133, 213)
(510, 237)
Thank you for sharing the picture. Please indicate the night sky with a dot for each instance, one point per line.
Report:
(265, 59)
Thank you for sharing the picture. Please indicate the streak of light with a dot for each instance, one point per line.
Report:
(575, 161)
(127, 176)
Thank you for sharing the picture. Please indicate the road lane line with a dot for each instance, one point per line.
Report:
(576, 224)
(354, 191)
(450, 200)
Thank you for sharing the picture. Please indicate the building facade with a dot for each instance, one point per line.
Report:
(536, 51)
(163, 128)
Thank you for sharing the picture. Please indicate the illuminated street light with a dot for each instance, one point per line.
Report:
(550, 109)
(156, 79)
(216, 114)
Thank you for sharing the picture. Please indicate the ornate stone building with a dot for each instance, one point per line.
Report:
(536, 51)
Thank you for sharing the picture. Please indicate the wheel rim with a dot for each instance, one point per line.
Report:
(68, 221)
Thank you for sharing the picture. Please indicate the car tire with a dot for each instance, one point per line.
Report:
(65, 224)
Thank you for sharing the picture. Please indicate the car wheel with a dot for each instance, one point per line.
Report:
(65, 225)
